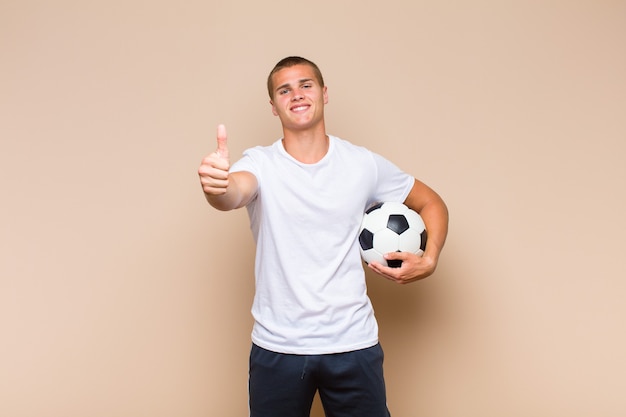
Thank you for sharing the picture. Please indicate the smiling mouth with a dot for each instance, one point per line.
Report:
(299, 108)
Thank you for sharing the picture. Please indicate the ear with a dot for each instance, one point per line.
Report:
(325, 94)
(274, 112)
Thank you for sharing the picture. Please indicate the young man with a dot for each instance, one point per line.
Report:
(306, 194)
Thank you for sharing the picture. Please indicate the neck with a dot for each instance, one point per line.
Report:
(307, 146)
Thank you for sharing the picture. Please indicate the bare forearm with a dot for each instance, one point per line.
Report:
(230, 200)
(221, 202)
(434, 212)
(435, 216)
(240, 189)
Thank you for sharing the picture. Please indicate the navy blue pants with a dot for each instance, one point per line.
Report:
(350, 384)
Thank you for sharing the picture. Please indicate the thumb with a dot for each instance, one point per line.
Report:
(222, 146)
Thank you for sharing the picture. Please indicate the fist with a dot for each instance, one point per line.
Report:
(214, 168)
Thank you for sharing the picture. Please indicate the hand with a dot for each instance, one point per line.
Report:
(413, 268)
(214, 168)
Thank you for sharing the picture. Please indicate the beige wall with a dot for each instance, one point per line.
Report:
(123, 294)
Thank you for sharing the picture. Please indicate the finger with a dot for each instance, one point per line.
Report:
(395, 256)
(222, 145)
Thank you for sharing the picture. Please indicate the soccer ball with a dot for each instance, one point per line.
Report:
(391, 227)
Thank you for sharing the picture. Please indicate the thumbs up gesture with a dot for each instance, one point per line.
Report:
(214, 168)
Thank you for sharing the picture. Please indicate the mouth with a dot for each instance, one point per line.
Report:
(300, 108)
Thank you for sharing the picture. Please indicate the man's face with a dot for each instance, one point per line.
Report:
(298, 98)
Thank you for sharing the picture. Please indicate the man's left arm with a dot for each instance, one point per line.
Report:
(434, 212)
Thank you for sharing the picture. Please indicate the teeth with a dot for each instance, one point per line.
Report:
(299, 108)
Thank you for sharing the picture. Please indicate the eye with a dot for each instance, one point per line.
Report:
(307, 86)
(283, 91)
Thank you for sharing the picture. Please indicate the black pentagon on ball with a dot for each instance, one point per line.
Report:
(394, 263)
(366, 239)
(424, 236)
(398, 223)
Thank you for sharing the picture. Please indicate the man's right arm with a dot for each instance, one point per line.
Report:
(222, 189)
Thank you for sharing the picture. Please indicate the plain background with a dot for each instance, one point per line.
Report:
(123, 294)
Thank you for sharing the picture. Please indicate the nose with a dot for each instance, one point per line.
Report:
(297, 95)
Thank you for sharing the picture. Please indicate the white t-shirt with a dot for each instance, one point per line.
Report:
(311, 296)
